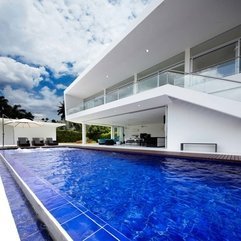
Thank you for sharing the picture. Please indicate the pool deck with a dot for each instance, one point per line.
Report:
(160, 151)
(149, 150)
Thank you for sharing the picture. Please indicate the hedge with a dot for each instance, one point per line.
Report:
(68, 136)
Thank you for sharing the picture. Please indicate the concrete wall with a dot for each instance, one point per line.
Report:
(155, 129)
(9, 135)
(42, 132)
(191, 123)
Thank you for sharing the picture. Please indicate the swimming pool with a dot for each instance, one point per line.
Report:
(28, 226)
(146, 197)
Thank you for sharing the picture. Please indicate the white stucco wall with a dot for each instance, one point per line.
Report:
(12, 133)
(155, 129)
(42, 132)
(9, 135)
(191, 123)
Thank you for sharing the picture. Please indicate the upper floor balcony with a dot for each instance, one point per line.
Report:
(212, 81)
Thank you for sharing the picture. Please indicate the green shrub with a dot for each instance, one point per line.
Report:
(95, 132)
(68, 136)
(105, 136)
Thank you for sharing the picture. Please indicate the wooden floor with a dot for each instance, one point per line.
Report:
(163, 152)
(150, 151)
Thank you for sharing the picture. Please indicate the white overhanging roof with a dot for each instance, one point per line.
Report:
(167, 28)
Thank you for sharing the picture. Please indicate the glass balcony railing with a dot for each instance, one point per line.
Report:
(148, 83)
(211, 85)
(99, 100)
(120, 93)
(220, 87)
(222, 70)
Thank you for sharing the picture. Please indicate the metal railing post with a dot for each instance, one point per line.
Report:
(3, 131)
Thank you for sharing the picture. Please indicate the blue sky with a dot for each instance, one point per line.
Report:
(46, 44)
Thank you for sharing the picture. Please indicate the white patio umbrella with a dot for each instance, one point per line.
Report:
(23, 123)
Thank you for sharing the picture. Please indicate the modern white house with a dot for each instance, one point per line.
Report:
(11, 133)
(175, 75)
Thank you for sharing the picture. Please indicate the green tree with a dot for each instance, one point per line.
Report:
(61, 110)
(95, 132)
(15, 111)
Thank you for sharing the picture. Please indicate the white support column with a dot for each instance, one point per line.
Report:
(166, 125)
(83, 133)
(112, 132)
(135, 84)
(237, 57)
(104, 96)
(187, 67)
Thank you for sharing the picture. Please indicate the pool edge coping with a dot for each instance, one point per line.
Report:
(55, 229)
(222, 157)
(53, 222)
(8, 226)
(227, 158)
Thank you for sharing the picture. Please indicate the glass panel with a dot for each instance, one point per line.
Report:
(112, 96)
(226, 69)
(220, 87)
(99, 100)
(89, 104)
(203, 63)
(126, 91)
(148, 83)
(119, 131)
(163, 77)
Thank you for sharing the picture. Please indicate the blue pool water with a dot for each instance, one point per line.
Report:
(146, 197)
(28, 226)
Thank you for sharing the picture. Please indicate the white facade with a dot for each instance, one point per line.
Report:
(12, 133)
(191, 123)
(175, 74)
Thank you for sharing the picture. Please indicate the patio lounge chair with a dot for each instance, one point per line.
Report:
(50, 142)
(37, 141)
(108, 142)
(23, 141)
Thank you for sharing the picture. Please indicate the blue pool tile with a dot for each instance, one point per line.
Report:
(80, 228)
(101, 235)
(44, 236)
(44, 194)
(117, 234)
(80, 207)
(54, 202)
(65, 212)
(36, 185)
(95, 218)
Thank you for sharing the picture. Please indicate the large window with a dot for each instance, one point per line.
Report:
(220, 62)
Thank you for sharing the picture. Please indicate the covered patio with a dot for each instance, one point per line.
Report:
(140, 127)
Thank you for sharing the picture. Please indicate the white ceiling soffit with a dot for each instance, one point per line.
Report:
(141, 117)
(169, 29)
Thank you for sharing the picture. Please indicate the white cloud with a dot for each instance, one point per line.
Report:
(54, 33)
(13, 72)
(44, 103)
(61, 86)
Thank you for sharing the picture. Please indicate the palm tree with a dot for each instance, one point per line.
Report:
(4, 106)
(61, 110)
(14, 111)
